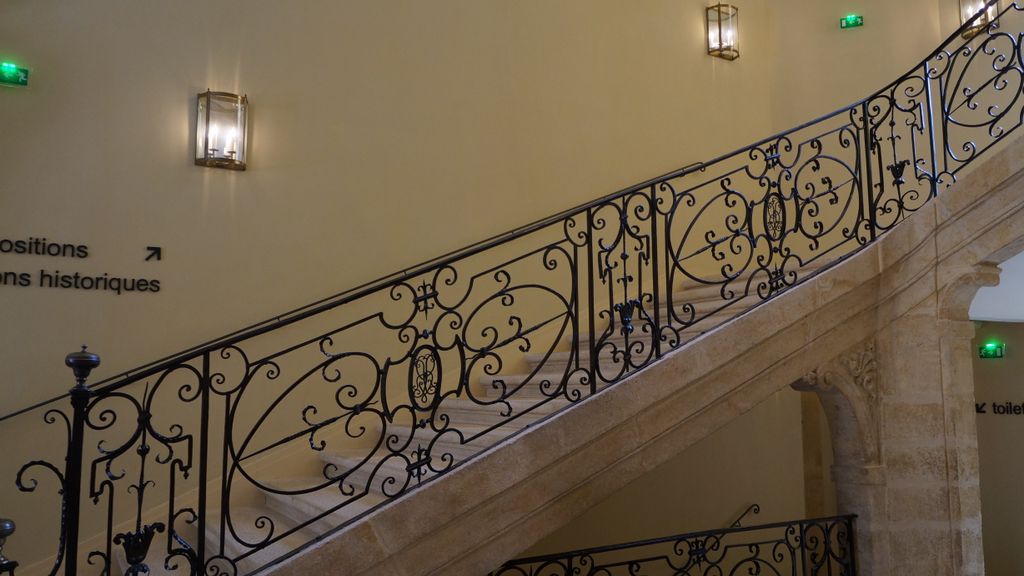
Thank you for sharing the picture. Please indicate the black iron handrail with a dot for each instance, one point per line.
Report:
(376, 390)
(798, 547)
(753, 509)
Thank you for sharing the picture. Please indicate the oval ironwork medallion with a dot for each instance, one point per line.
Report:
(425, 378)
(774, 216)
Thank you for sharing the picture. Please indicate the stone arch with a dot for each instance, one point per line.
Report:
(848, 389)
(955, 299)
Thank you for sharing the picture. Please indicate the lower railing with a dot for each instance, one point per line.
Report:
(818, 547)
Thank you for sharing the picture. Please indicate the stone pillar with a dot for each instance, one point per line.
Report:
(923, 530)
(860, 490)
(956, 333)
(929, 438)
(961, 447)
(901, 413)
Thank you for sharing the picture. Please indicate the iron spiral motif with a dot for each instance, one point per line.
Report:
(819, 547)
(367, 395)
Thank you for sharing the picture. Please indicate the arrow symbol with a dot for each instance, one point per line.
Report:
(980, 408)
(154, 252)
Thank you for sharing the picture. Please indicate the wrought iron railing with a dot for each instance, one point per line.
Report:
(235, 453)
(819, 547)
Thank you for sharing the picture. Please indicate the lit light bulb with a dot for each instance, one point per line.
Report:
(212, 139)
(230, 143)
(724, 39)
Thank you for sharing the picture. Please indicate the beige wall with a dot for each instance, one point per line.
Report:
(377, 128)
(756, 458)
(822, 67)
(506, 111)
(999, 436)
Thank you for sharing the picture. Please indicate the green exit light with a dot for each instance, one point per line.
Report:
(851, 21)
(13, 75)
(991, 350)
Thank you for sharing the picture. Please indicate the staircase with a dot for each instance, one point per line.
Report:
(440, 420)
(479, 426)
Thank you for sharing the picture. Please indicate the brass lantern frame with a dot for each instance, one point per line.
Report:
(721, 20)
(207, 151)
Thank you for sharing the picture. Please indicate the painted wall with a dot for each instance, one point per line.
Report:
(377, 128)
(822, 68)
(506, 111)
(996, 383)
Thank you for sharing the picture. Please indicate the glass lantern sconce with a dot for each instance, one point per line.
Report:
(969, 8)
(723, 31)
(221, 122)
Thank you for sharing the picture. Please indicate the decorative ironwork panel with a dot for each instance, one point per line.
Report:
(822, 547)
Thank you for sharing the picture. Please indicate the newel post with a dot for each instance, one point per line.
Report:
(81, 363)
(6, 530)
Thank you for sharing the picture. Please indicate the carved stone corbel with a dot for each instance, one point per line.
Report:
(849, 391)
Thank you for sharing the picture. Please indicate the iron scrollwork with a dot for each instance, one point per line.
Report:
(247, 446)
(816, 547)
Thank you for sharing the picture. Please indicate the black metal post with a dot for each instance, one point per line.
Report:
(204, 457)
(656, 284)
(591, 308)
(6, 529)
(851, 526)
(867, 178)
(81, 363)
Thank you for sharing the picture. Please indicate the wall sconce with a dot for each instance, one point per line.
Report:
(968, 8)
(221, 121)
(723, 31)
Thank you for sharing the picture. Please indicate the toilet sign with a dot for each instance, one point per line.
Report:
(12, 75)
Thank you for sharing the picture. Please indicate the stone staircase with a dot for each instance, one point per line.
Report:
(892, 295)
(479, 426)
(901, 292)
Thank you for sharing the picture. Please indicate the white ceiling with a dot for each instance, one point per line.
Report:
(1003, 303)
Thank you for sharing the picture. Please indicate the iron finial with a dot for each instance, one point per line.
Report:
(6, 529)
(82, 363)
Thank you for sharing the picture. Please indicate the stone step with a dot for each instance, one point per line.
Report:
(477, 439)
(246, 522)
(377, 469)
(531, 390)
(302, 508)
(708, 297)
(401, 467)
(464, 412)
(557, 361)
